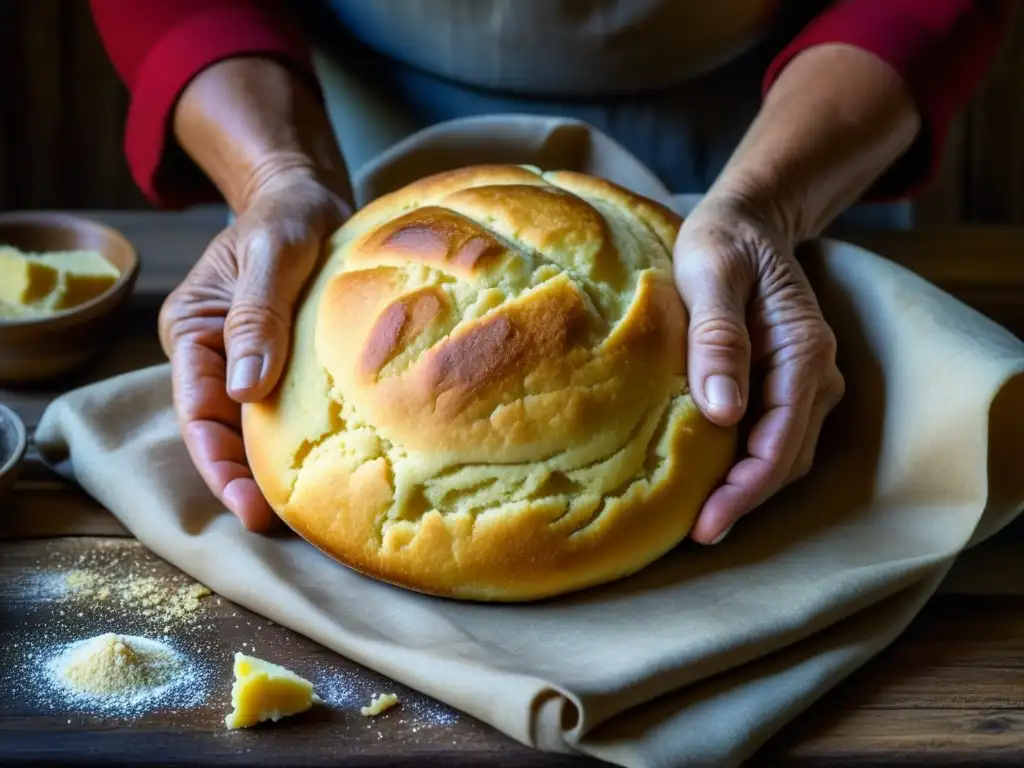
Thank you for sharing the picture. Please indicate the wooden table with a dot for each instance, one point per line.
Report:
(950, 691)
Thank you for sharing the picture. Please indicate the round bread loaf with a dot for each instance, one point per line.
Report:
(486, 395)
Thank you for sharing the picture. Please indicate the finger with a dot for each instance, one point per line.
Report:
(211, 428)
(258, 327)
(718, 344)
(828, 398)
(773, 446)
(777, 438)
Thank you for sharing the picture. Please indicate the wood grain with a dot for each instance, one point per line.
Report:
(36, 163)
(96, 105)
(950, 691)
(942, 203)
(8, 109)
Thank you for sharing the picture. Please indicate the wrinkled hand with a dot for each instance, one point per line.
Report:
(753, 312)
(226, 328)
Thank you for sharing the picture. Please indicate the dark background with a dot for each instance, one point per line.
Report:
(63, 109)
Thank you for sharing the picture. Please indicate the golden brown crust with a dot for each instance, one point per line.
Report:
(432, 235)
(486, 397)
(401, 323)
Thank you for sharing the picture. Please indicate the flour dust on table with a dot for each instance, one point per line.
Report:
(345, 689)
(95, 635)
(109, 605)
(99, 581)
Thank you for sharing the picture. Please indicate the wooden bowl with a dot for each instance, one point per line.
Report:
(38, 348)
(13, 442)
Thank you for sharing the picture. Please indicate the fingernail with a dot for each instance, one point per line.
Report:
(722, 391)
(718, 539)
(246, 372)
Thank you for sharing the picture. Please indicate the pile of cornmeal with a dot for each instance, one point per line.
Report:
(111, 664)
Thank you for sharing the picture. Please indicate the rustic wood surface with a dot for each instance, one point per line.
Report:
(417, 732)
(949, 692)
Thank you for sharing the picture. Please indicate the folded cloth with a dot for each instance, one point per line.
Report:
(704, 655)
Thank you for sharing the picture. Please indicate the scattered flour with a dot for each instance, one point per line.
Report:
(153, 595)
(106, 585)
(107, 580)
(347, 689)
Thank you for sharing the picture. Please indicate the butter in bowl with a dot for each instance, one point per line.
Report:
(63, 279)
(40, 284)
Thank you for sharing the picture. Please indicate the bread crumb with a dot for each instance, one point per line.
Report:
(379, 703)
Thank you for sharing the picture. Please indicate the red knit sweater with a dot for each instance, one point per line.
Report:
(941, 49)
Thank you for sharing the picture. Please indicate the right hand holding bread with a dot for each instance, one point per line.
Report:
(261, 135)
(227, 327)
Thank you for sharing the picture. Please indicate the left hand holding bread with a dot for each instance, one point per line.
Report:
(833, 123)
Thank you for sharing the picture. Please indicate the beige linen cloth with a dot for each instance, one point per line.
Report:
(703, 656)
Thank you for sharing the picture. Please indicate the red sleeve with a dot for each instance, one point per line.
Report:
(940, 48)
(157, 47)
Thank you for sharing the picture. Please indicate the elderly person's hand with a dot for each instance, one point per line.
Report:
(755, 324)
(227, 327)
(752, 312)
(260, 134)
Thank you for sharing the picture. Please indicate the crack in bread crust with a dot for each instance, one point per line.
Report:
(486, 396)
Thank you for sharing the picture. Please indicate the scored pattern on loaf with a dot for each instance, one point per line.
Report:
(456, 269)
(576, 494)
(486, 392)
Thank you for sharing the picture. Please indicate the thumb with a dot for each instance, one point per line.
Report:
(256, 341)
(257, 329)
(718, 358)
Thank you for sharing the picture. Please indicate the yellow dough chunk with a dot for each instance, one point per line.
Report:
(264, 691)
(24, 281)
